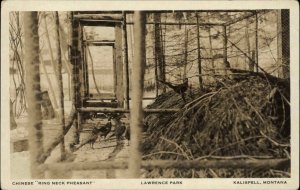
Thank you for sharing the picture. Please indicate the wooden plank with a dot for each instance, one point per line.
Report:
(183, 24)
(179, 164)
(99, 16)
(106, 23)
(119, 65)
(122, 110)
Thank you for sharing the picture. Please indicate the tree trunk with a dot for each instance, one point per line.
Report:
(33, 91)
(61, 114)
(138, 70)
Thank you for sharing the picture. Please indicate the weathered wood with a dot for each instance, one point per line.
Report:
(179, 164)
(283, 43)
(99, 16)
(119, 65)
(158, 52)
(58, 68)
(256, 43)
(247, 40)
(48, 111)
(225, 61)
(212, 61)
(100, 104)
(99, 42)
(75, 73)
(125, 63)
(183, 24)
(107, 23)
(138, 70)
(122, 110)
(33, 90)
(199, 54)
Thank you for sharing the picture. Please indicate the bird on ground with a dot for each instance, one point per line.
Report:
(119, 131)
(91, 139)
(104, 130)
(180, 88)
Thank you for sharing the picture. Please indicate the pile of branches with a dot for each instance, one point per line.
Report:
(247, 117)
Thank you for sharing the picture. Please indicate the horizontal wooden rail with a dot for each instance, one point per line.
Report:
(122, 110)
(99, 16)
(184, 164)
(183, 23)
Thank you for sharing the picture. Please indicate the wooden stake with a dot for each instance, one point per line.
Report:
(33, 90)
(137, 93)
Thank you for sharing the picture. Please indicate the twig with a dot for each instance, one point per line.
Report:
(273, 141)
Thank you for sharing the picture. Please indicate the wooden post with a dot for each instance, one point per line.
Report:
(61, 114)
(158, 51)
(119, 65)
(186, 39)
(138, 70)
(283, 43)
(33, 91)
(256, 42)
(75, 60)
(225, 61)
(125, 64)
(199, 54)
(247, 39)
(210, 47)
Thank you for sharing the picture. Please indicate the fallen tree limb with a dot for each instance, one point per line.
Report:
(185, 164)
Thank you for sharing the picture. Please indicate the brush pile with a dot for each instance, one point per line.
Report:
(246, 117)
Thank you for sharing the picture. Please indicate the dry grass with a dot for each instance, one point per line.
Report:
(246, 117)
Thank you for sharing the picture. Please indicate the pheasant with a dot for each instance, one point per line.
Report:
(104, 130)
(180, 88)
(91, 140)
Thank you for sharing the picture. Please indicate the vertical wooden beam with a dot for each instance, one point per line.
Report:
(158, 51)
(114, 69)
(199, 54)
(212, 61)
(125, 64)
(82, 85)
(119, 65)
(283, 42)
(256, 42)
(138, 70)
(75, 60)
(225, 61)
(58, 69)
(247, 39)
(33, 92)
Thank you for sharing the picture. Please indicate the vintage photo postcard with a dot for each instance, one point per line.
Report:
(149, 95)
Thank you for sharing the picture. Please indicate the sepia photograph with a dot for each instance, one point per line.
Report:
(161, 95)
